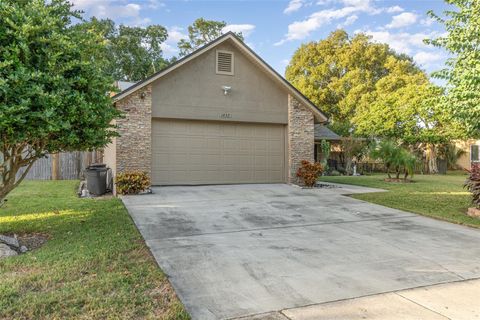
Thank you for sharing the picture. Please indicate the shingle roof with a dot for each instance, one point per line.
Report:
(323, 133)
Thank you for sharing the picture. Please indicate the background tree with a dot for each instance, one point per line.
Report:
(462, 73)
(133, 53)
(405, 105)
(336, 72)
(53, 95)
(201, 32)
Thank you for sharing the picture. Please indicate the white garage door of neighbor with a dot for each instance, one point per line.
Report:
(200, 152)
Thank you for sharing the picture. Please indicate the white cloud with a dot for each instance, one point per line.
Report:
(426, 58)
(299, 30)
(427, 21)
(394, 9)
(155, 4)
(402, 20)
(115, 10)
(350, 9)
(175, 34)
(402, 42)
(349, 21)
(245, 29)
(293, 6)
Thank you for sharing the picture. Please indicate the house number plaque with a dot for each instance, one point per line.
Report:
(226, 116)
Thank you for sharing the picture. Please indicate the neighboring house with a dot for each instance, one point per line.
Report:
(471, 155)
(324, 133)
(218, 115)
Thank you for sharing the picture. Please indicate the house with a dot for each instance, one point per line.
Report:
(324, 133)
(217, 116)
(471, 154)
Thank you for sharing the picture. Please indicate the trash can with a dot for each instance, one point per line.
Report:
(96, 175)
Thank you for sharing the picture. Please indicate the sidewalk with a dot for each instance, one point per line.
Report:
(456, 300)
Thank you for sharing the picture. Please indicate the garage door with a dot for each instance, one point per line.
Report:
(199, 152)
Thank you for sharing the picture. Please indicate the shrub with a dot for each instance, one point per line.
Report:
(335, 173)
(309, 172)
(132, 182)
(473, 184)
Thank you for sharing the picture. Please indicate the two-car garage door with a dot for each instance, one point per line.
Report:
(202, 152)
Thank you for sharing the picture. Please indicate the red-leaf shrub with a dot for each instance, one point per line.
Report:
(309, 172)
(473, 184)
(132, 182)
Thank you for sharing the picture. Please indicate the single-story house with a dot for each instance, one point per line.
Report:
(220, 115)
(471, 148)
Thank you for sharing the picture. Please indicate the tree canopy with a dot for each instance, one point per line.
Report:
(53, 95)
(368, 89)
(201, 32)
(462, 71)
(131, 53)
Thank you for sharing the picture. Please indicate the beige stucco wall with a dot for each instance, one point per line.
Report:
(464, 161)
(194, 91)
(110, 154)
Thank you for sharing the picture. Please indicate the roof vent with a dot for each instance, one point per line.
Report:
(225, 64)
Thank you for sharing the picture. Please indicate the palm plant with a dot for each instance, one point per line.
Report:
(473, 184)
(395, 158)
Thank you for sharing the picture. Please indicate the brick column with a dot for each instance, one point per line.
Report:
(134, 145)
(300, 137)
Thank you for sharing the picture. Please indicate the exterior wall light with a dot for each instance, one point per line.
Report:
(226, 89)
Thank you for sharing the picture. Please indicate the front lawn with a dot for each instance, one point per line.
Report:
(94, 265)
(437, 196)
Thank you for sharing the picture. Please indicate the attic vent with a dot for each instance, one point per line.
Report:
(225, 64)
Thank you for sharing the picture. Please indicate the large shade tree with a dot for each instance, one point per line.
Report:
(336, 72)
(53, 94)
(201, 32)
(132, 53)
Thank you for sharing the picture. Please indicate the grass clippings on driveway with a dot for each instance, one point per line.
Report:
(438, 196)
(94, 265)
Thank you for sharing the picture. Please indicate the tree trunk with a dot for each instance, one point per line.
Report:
(11, 161)
(432, 159)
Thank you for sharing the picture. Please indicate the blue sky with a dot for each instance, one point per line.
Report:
(275, 29)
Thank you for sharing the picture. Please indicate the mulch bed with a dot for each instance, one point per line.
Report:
(32, 240)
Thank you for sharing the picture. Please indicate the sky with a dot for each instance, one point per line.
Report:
(275, 28)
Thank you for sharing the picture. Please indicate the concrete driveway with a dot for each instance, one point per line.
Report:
(238, 250)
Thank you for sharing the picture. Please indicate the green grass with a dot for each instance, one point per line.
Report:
(95, 265)
(437, 196)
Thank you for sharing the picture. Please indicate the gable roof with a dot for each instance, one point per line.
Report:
(324, 133)
(319, 115)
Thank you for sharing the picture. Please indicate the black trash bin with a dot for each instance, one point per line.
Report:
(96, 175)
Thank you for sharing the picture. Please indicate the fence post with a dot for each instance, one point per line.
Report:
(55, 166)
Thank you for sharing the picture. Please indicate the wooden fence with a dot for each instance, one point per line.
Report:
(62, 166)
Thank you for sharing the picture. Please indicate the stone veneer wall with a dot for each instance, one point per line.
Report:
(300, 137)
(134, 145)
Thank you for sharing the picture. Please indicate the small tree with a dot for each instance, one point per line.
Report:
(53, 94)
(353, 149)
(326, 148)
(395, 158)
(462, 42)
